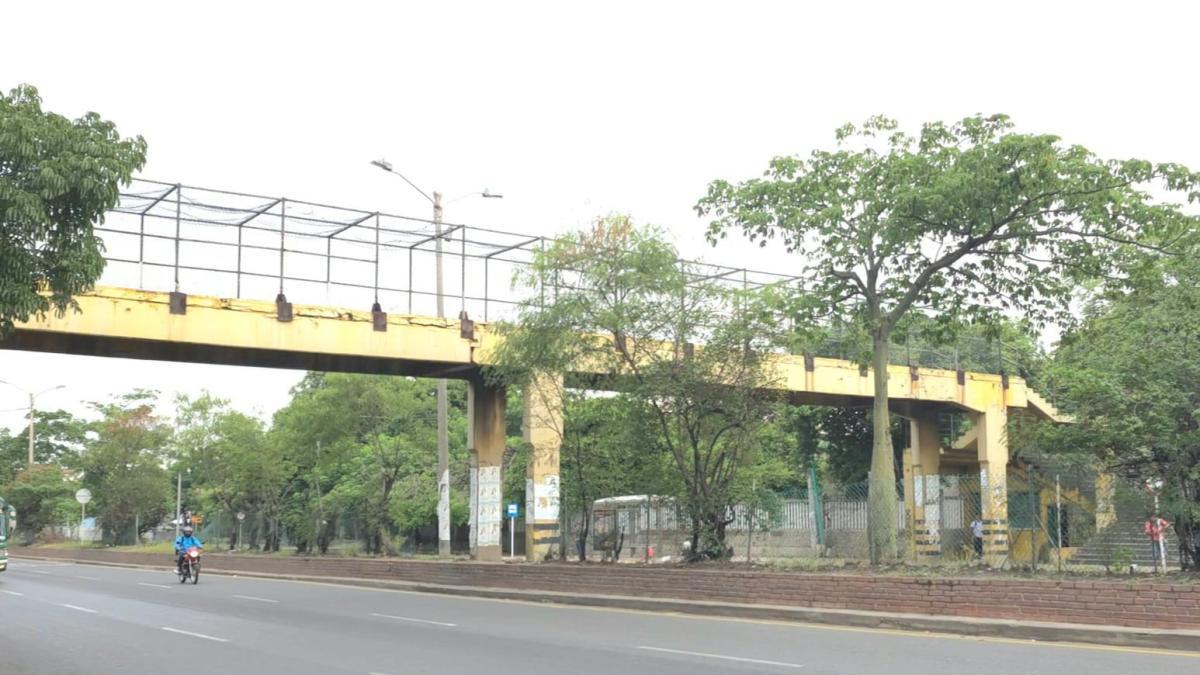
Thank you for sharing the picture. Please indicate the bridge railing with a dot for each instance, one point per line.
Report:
(168, 236)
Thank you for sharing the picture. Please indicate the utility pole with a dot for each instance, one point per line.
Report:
(32, 410)
(32, 404)
(178, 502)
(443, 434)
(443, 440)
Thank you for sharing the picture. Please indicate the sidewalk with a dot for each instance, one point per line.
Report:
(1040, 631)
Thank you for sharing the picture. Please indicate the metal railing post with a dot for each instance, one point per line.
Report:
(178, 215)
(282, 234)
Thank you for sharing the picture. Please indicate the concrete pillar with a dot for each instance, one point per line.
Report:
(993, 482)
(542, 427)
(488, 435)
(922, 483)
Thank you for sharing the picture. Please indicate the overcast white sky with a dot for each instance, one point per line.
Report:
(570, 109)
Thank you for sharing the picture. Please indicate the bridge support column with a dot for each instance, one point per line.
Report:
(993, 482)
(542, 428)
(488, 439)
(923, 487)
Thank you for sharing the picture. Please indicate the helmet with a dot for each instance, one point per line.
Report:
(187, 529)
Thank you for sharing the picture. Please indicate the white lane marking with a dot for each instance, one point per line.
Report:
(764, 662)
(405, 618)
(12, 593)
(198, 635)
(80, 576)
(77, 608)
(38, 572)
(142, 583)
(251, 597)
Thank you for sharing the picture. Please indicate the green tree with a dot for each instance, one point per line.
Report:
(43, 497)
(57, 179)
(610, 448)
(961, 222)
(123, 466)
(1131, 378)
(623, 306)
(59, 438)
(233, 467)
(364, 448)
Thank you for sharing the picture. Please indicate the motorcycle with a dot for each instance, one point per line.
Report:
(190, 567)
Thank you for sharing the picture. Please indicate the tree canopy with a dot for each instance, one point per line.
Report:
(1131, 378)
(962, 222)
(57, 179)
(623, 304)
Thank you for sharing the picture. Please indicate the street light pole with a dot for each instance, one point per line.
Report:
(443, 441)
(443, 405)
(32, 409)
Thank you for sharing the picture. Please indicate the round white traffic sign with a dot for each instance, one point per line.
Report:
(83, 496)
(241, 516)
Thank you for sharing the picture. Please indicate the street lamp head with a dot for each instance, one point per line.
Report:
(487, 194)
(382, 163)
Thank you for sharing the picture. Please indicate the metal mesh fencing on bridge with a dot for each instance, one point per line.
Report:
(168, 237)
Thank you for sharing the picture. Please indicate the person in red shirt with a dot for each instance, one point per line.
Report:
(1156, 528)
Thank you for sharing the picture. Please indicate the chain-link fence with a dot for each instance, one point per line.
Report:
(1078, 521)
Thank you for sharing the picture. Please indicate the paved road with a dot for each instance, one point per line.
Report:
(65, 618)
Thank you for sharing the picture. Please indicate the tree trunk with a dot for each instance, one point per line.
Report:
(882, 530)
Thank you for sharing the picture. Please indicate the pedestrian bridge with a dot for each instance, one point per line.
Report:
(127, 323)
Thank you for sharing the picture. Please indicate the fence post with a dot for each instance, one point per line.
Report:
(1036, 514)
(1058, 519)
(815, 508)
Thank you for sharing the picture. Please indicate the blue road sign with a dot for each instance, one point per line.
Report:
(512, 510)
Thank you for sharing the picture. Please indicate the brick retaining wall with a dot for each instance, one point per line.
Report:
(1143, 604)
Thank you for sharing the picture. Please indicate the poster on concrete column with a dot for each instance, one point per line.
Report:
(443, 507)
(473, 507)
(545, 498)
(489, 506)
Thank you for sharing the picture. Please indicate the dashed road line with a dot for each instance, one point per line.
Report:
(722, 657)
(195, 635)
(251, 597)
(77, 608)
(13, 593)
(412, 620)
(142, 583)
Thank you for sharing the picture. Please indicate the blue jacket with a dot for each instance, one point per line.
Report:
(183, 542)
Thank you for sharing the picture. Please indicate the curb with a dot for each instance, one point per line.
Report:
(1033, 631)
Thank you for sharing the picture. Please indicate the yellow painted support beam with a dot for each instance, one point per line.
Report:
(138, 324)
(543, 431)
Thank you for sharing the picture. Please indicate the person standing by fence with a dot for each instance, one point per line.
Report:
(1156, 529)
(977, 536)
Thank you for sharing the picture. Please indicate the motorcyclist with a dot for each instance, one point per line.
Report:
(183, 542)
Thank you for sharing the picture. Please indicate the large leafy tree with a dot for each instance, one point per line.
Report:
(363, 449)
(232, 466)
(42, 496)
(57, 179)
(619, 303)
(123, 465)
(1131, 377)
(962, 221)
